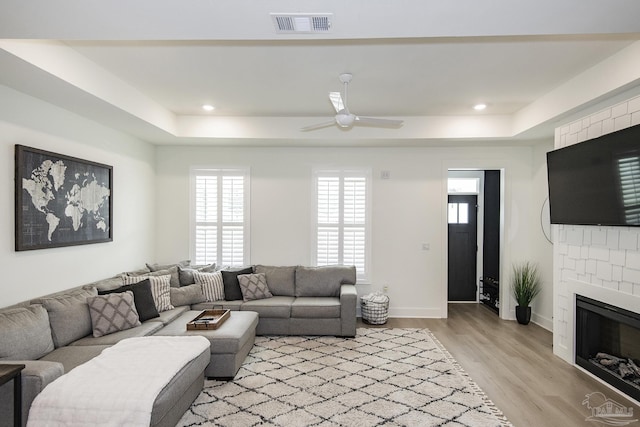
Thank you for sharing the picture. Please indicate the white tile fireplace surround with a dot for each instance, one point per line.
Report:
(602, 263)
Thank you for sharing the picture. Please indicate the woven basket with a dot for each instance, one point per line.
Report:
(375, 312)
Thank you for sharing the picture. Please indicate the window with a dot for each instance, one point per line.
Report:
(220, 216)
(458, 213)
(342, 219)
(463, 185)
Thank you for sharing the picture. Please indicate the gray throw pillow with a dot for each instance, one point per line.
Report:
(112, 313)
(69, 315)
(187, 295)
(254, 286)
(185, 274)
(171, 269)
(157, 267)
(25, 333)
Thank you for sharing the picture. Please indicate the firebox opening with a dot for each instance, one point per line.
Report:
(608, 344)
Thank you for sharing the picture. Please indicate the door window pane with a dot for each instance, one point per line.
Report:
(453, 213)
(458, 213)
(463, 213)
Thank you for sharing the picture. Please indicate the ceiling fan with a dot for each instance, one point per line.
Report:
(344, 118)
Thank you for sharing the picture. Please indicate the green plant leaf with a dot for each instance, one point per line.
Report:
(525, 283)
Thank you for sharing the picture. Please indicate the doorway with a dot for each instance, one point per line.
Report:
(487, 186)
(462, 217)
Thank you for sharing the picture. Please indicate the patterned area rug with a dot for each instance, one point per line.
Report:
(383, 377)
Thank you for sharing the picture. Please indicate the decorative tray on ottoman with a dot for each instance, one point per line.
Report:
(209, 319)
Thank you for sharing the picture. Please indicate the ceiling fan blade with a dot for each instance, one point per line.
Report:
(336, 100)
(372, 121)
(318, 126)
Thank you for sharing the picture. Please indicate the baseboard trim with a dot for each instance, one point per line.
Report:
(542, 321)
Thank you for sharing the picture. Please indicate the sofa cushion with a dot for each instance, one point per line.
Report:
(280, 280)
(108, 284)
(74, 355)
(169, 316)
(232, 290)
(212, 285)
(147, 328)
(69, 315)
(171, 269)
(226, 305)
(158, 267)
(25, 333)
(316, 307)
(254, 286)
(323, 281)
(185, 274)
(142, 296)
(138, 272)
(279, 307)
(187, 295)
(160, 286)
(112, 313)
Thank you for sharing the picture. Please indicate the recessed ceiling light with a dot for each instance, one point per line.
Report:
(479, 107)
(208, 107)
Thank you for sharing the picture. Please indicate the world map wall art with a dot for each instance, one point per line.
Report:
(61, 200)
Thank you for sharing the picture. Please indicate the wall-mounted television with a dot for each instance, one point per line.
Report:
(597, 182)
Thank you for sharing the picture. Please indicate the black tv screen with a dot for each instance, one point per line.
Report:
(597, 182)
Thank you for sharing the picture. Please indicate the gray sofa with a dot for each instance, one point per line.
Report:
(52, 335)
(306, 301)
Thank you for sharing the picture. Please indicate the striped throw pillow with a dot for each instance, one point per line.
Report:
(212, 285)
(160, 289)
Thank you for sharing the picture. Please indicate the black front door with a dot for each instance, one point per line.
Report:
(462, 217)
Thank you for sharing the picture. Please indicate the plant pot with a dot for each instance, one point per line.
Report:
(523, 315)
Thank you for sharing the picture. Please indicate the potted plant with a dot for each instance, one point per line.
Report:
(525, 285)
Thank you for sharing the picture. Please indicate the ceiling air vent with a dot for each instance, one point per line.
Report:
(302, 22)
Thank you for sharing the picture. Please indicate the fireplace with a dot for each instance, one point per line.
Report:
(608, 344)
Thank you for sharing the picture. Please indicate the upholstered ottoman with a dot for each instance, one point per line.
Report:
(230, 343)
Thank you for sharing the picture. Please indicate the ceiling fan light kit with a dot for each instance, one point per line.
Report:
(344, 118)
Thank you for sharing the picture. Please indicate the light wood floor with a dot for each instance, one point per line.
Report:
(515, 366)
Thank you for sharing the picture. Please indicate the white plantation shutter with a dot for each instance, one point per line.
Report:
(206, 211)
(220, 220)
(328, 246)
(342, 224)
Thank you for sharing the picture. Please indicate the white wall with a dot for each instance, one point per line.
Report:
(597, 257)
(408, 210)
(151, 206)
(542, 249)
(27, 121)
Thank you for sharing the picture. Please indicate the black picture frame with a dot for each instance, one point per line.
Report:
(61, 200)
